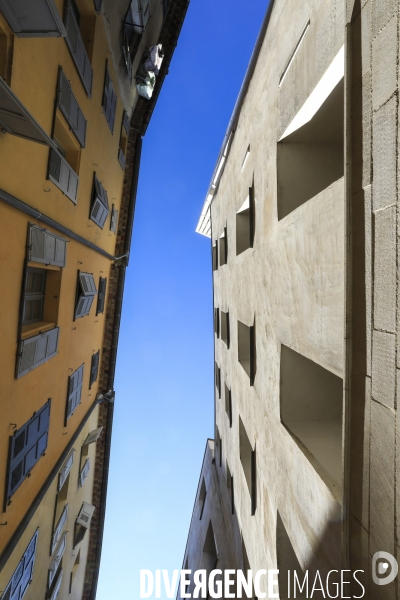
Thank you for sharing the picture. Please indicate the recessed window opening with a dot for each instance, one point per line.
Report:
(215, 256)
(225, 333)
(202, 498)
(223, 248)
(287, 561)
(34, 295)
(248, 460)
(229, 483)
(6, 50)
(218, 379)
(210, 551)
(216, 321)
(247, 349)
(296, 49)
(245, 224)
(246, 157)
(228, 404)
(311, 158)
(311, 410)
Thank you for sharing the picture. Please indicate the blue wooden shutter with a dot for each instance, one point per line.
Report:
(69, 107)
(74, 391)
(33, 19)
(77, 48)
(35, 351)
(26, 447)
(102, 295)
(100, 208)
(23, 574)
(62, 175)
(85, 295)
(109, 100)
(46, 247)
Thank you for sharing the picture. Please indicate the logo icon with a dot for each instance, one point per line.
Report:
(384, 568)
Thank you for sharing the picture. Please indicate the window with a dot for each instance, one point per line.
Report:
(202, 498)
(215, 256)
(114, 220)
(216, 321)
(84, 472)
(34, 295)
(94, 368)
(46, 247)
(223, 248)
(311, 156)
(27, 446)
(57, 586)
(74, 570)
(123, 140)
(287, 561)
(134, 25)
(99, 209)
(311, 410)
(229, 483)
(76, 25)
(27, 19)
(85, 293)
(225, 336)
(74, 392)
(70, 109)
(23, 574)
(63, 167)
(6, 50)
(61, 520)
(247, 349)
(82, 522)
(228, 404)
(219, 445)
(245, 224)
(109, 100)
(248, 460)
(56, 562)
(218, 379)
(61, 511)
(36, 350)
(101, 298)
(93, 436)
(65, 470)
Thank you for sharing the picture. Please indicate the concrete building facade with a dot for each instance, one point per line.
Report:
(302, 216)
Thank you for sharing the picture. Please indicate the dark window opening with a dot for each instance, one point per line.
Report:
(223, 248)
(34, 295)
(225, 332)
(202, 498)
(245, 224)
(228, 404)
(247, 349)
(248, 460)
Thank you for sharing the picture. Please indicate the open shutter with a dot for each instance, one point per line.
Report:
(94, 369)
(57, 559)
(100, 208)
(46, 247)
(93, 436)
(57, 586)
(17, 120)
(22, 576)
(59, 528)
(145, 8)
(77, 48)
(36, 350)
(86, 293)
(102, 295)
(33, 19)
(74, 391)
(65, 470)
(27, 445)
(97, 5)
(85, 514)
(113, 109)
(84, 473)
(69, 107)
(114, 219)
(63, 175)
(121, 158)
(126, 122)
(109, 100)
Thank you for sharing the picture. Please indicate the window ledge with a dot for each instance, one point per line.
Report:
(35, 328)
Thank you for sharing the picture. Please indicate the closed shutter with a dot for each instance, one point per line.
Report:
(93, 436)
(94, 369)
(126, 122)
(85, 294)
(33, 19)
(36, 350)
(102, 295)
(121, 158)
(65, 470)
(57, 559)
(77, 48)
(85, 514)
(63, 175)
(59, 528)
(84, 473)
(114, 219)
(46, 247)
(74, 391)
(26, 447)
(17, 120)
(109, 100)
(22, 576)
(97, 5)
(100, 209)
(57, 586)
(69, 107)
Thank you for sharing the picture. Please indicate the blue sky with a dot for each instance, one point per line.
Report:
(164, 383)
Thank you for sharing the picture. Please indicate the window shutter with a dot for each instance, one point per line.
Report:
(94, 369)
(33, 19)
(59, 528)
(113, 109)
(65, 470)
(36, 350)
(46, 247)
(27, 445)
(85, 296)
(97, 5)
(22, 576)
(102, 295)
(85, 514)
(57, 559)
(74, 391)
(57, 586)
(121, 158)
(109, 100)
(114, 219)
(17, 120)
(77, 48)
(84, 473)
(145, 7)
(93, 436)
(69, 107)
(62, 175)
(126, 122)
(100, 209)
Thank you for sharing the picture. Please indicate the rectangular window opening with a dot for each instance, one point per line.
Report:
(248, 460)
(223, 248)
(85, 293)
(245, 224)
(218, 379)
(216, 321)
(225, 332)
(247, 349)
(311, 410)
(215, 256)
(228, 404)
(229, 483)
(202, 498)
